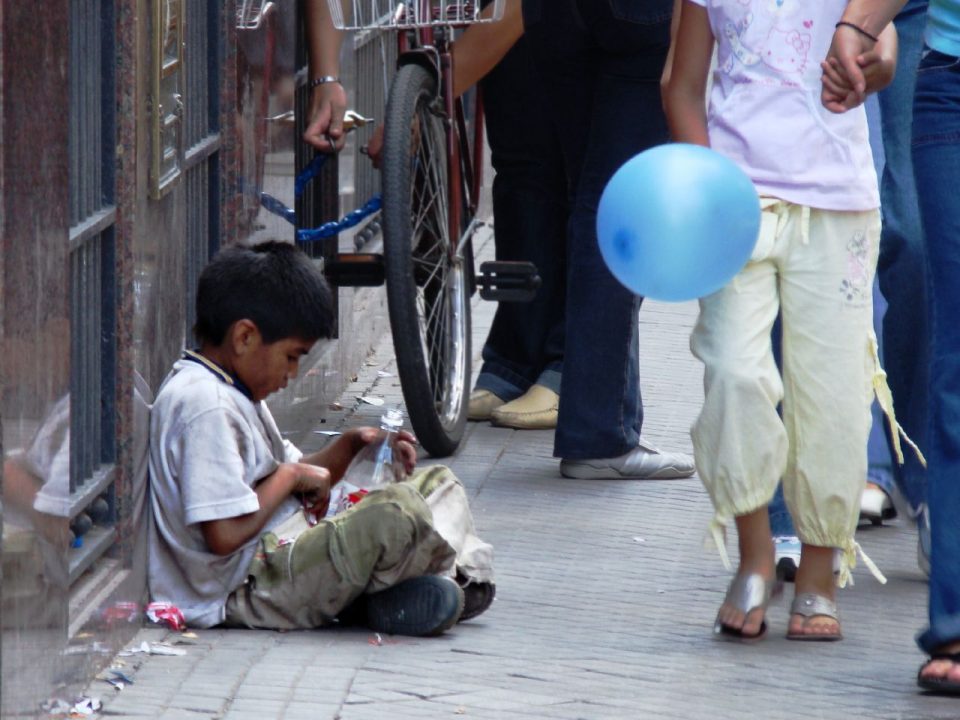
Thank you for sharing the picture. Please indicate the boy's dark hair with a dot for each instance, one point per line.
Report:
(273, 284)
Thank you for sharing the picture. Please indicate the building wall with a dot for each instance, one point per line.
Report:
(96, 296)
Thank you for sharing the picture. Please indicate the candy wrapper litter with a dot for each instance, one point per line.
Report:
(164, 613)
(344, 496)
(121, 612)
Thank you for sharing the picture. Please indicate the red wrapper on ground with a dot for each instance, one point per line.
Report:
(164, 613)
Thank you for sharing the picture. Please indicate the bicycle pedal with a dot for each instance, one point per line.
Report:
(355, 270)
(508, 281)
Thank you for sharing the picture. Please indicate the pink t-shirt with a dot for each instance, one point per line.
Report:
(765, 111)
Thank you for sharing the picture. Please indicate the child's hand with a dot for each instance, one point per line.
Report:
(877, 65)
(837, 93)
(312, 484)
(404, 447)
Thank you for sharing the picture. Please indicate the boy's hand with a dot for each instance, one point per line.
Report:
(312, 484)
(404, 447)
(336, 456)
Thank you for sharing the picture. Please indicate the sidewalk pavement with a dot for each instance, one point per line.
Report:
(605, 602)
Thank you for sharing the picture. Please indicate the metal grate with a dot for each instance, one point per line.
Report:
(92, 139)
(375, 55)
(201, 69)
(201, 236)
(92, 303)
(202, 59)
(90, 52)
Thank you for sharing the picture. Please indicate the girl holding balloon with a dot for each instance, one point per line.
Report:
(813, 263)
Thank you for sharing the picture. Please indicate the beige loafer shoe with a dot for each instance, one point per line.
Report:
(536, 409)
(482, 403)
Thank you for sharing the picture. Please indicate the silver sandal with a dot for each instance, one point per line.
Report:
(812, 605)
(746, 593)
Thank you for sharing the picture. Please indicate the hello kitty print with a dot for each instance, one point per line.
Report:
(765, 111)
(773, 41)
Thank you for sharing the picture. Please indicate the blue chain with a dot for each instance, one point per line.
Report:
(277, 207)
(333, 228)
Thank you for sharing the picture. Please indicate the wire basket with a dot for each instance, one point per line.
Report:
(400, 14)
(250, 13)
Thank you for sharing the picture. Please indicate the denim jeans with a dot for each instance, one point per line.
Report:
(879, 456)
(936, 162)
(900, 268)
(600, 61)
(525, 343)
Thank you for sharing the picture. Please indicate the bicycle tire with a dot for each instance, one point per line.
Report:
(427, 286)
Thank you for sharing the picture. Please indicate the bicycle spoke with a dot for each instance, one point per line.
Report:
(427, 282)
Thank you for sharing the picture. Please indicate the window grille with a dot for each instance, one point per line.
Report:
(92, 142)
(202, 67)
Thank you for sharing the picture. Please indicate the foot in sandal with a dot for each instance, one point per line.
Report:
(813, 614)
(941, 673)
(742, 613)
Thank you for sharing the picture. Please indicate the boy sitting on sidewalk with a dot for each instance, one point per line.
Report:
(229, 538)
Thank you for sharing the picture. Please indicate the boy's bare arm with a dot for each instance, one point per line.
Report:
(685, 96)
(336, 456)
(313, 483)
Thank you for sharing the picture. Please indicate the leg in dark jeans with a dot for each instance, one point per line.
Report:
(525, 343)
(900, 269)
(601, 73)
(936, 161)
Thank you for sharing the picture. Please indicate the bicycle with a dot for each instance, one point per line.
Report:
(432, 166)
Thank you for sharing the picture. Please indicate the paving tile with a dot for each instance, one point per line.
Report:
(605, 600)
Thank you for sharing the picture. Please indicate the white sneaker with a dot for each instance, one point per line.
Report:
(875, 505)
(644, 462)
(786, 555)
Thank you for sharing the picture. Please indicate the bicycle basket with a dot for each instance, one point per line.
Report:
(250, 13)
(400, 14)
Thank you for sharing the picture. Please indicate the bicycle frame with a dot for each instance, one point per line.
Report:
(430, 47)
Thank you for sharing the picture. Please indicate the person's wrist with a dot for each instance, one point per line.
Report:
(325, 80)
(856, 28)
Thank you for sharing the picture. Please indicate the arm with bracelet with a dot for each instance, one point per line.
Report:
(328, 99)
(856, 34)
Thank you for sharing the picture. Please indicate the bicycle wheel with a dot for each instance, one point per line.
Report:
(427, 283)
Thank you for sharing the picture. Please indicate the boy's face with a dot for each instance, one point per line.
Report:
(266, 367)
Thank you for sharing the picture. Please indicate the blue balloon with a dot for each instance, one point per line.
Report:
(677, 222)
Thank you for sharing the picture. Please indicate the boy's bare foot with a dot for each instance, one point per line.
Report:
(815, 578)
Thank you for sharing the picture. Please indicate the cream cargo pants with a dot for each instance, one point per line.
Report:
(816, 268)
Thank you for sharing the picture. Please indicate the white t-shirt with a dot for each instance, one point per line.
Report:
(209, 446)
(48, 458)
(765, 111)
